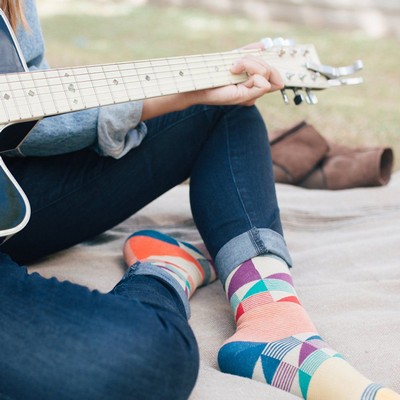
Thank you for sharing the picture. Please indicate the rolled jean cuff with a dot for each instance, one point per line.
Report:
(147, 268)
(255, 242)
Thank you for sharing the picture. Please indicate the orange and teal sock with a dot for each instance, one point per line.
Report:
(183, 261)
(276, 342)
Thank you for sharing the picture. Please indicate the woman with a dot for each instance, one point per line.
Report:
(87, 171)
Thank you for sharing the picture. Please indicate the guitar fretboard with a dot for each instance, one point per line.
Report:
(32, 95)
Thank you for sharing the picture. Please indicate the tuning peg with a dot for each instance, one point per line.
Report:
(311, 98)
(346, 81)
(279, 41)
(332, 72)
(285, 97)
(298, 97)
(267, 42)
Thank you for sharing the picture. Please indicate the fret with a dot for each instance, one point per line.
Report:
(9, 97)
(132, 82)
(86, 89)
(191, 84)
(114, 82)
(218, 69)
(64, 88)
(165, 81)
(198, 72)
(181, 74)
(121, 83)
(44, 93)
(19, 97)
(56, 90)
(100, 86)
(227, 63)
(4, 117)
(172, 75)
(71, 89)
(147, 78)
(4, 113)
(175, 72)
(31, 94)
(210, 69)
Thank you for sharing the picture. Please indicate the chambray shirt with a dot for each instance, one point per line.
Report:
(110, 130)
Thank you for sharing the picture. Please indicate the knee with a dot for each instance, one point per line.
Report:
(115, 363)
(161, 363)
(166, 362)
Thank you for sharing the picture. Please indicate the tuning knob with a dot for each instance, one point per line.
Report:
(285, 97)
(311, 98)
(298, 97)
(277, 42)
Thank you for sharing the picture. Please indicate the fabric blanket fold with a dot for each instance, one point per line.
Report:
(345, 248)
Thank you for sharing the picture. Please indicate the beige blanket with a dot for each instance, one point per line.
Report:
(346, 251)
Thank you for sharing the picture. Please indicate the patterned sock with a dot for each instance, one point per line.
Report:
(188, 265)
(276, 342)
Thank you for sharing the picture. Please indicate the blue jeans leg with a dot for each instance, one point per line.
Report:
(61, 341)
(233, 194)
(55, 333)
(224, 150)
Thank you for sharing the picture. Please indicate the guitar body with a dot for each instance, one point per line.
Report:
(14, 205)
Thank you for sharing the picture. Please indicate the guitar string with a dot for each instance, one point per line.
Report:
(147, 71)
(136, 71)
(125, 89)
(140, 68)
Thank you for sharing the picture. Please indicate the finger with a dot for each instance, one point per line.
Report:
(258, 86)
(276, 79)
(256, 66)
(252, 65)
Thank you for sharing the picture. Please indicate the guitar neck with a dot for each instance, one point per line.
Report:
(33, 95)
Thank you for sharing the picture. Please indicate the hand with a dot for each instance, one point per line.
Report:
(263, 79)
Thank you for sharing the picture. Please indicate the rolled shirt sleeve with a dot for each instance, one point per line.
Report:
(110, 130)
(119, 129)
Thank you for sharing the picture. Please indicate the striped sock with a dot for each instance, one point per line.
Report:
(276, 342)
(188, 265)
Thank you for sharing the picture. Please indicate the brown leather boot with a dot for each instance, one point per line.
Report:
(296, 151)
(346, 167)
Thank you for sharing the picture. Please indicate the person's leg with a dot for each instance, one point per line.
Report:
(61, 341)
(277, 343)
(186, 264)
(79, 195)
(235, 208)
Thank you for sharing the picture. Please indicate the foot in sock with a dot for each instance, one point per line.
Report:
(188, 265)
(276, 342)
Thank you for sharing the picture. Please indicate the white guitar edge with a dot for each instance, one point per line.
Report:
(9, 232)
(16, 44)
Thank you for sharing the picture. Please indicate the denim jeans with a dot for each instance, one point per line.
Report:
(59, 340)
(225, 152)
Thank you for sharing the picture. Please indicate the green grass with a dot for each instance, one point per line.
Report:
(363, 115)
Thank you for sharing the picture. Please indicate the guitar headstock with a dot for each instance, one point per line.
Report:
(302, 71)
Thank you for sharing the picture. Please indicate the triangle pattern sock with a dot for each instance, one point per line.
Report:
(188, 265)
(276, 342)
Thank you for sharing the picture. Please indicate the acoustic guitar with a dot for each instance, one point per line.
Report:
(27, 97)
